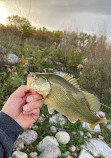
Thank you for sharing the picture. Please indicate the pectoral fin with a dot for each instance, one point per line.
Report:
(50, 109)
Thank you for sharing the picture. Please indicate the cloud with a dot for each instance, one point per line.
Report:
(94, 6)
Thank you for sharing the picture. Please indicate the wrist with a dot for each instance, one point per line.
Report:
(10, 126)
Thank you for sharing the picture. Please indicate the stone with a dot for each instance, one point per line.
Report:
(84, 154)
(35, 127)
(60, 73)
(51, 152)
(101, 114)
(19, 154)
(72, 148)
(81, 133)
(109, 127)
(33, 154)
(41, 119)
(62, 137)
(29, 136)
(60, 129)
(48, 141)
(12, 58)
(19, 144)
(98, 147)
(100, 137)
(89, 135)
(57, 119)
(53, 129)
(74, 133)
(97, 128)
(67, 154)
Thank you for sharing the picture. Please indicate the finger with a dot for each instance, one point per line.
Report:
(31, 92)
(32, 105)
(20, 92)
(34, 112)
(33, 97)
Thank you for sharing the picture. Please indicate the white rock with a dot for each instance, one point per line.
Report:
(63, 137)
(60, 129)
(101, 114)
(33, 154)
(57, 119)
(81, 133)
(84, 154)
(40, 119)
(53, 129)
(74, 133)
(29, 136)
(12, 58)
(35, 127)
(48, 141)
(109, 127)
(67, 154)
(97, 128)
(98, 147)
(60, 73)
(89, 135)
(51, 152)
(19, 144)
(72, 148)
(19, 154)
(100, 137)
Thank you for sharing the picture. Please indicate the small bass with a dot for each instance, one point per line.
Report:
(64, 95)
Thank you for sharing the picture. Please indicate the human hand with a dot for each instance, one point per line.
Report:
(23, 106)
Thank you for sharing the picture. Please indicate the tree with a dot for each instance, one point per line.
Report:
(22, 25)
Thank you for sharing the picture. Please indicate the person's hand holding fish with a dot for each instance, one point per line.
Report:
(23, 106)
(64, 95)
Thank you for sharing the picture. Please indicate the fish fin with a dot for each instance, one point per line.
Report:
(72, 121)
(44, 100)
(72, 80)
(50, 109)
(93, 102)
(99, 121)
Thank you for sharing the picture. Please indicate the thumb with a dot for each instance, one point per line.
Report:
(21, 91)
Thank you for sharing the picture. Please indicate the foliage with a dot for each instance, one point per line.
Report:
(95, 76)
(21, 23)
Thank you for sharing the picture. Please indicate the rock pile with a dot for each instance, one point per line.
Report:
(51, 145)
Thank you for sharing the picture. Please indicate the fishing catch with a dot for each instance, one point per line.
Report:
(64, 95)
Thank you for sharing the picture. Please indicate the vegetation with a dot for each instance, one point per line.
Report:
(85, 56)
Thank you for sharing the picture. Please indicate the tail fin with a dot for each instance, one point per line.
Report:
(99, 121)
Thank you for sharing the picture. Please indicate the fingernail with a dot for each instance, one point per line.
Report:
(29, 99)
(26, 107)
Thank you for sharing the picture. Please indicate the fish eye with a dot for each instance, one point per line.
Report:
(35, 77)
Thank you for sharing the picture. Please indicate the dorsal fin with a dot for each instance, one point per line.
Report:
(72, 80)
(93, 102)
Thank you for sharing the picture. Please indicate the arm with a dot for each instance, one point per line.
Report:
(19, 112)
(9, 131)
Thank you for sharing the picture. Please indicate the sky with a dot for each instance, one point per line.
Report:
(91, 16)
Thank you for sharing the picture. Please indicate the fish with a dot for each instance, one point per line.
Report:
(64, 95)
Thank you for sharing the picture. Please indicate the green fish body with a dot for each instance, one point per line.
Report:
(65, 96)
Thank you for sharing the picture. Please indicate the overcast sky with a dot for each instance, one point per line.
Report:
(93, 16)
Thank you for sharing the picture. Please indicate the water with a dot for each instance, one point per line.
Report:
(74, 15)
